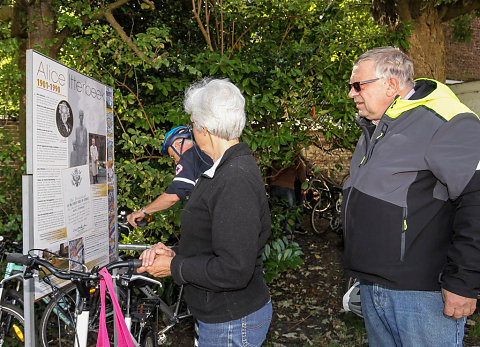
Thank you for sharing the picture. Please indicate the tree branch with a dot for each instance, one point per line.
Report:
(118, 28)
(140, 103)
(107, 14)
(61, 37)
(221, 25)
(196, 14)
(234, 44)
(457, 9)
(287, 30)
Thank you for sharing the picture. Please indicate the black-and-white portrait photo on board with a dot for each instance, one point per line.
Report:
(64, 117)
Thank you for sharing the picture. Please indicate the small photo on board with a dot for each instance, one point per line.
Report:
(64, 116)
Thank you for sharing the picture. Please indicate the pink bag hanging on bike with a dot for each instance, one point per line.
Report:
(124, 339)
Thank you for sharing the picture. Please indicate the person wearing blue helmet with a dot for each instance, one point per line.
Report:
(190, 162)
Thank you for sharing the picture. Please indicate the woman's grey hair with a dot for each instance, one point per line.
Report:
(218, 106)
(390, 62)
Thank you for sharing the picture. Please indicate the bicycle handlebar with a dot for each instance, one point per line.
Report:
(132, 247)
(33, 262)
(18, 258)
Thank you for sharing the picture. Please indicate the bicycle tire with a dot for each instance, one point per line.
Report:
(148, 339)
(318, 219)
(56, 329)
(321, 195)
(11, 296)
(12, 332)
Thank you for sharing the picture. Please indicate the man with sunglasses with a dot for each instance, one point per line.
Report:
(411, 206)
(190, 162)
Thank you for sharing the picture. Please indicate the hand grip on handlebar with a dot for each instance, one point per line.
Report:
(18, 258)
(136, 263)
(144, 221)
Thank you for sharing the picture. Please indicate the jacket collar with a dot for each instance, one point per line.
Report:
(237, 150)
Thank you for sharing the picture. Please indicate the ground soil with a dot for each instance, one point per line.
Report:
(307, 302)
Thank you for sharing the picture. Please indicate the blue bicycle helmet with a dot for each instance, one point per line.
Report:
(181, 132)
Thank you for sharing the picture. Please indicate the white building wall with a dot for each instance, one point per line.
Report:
(469, 94)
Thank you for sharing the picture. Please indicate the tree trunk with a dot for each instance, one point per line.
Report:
(427, 40)
(37, 35)
(427, 45)
(42, 26)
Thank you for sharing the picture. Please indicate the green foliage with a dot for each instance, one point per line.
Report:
(10, 76)
(461, 26)
(472, 329)
(279, 256)
(282, 254)
(291, 59)
(11, 159)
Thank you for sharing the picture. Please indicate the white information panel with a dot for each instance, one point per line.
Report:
(70, 155)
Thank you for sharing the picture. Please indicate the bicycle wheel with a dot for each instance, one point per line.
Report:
(11, 326)
(11, 296)
(319, 219)
(57, 326)
(148, 339)
(321, 195)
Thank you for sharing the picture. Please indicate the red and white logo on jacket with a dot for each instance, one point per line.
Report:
(178, 169)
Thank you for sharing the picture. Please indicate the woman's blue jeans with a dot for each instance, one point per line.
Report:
(408, 318)
(250, 330)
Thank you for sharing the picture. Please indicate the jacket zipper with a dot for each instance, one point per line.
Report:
(368, 153)
(404, 231)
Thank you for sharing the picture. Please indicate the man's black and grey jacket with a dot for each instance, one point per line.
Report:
(411, 206)
(225, 226)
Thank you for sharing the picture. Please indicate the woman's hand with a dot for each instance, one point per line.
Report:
(160, 266)
(148, 256)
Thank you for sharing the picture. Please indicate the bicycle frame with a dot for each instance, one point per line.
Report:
(13, 272)
(174, 316)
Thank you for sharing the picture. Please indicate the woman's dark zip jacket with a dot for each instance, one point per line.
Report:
(411, 207)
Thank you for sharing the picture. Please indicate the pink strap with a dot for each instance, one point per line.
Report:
(123, 335)
(102, 339)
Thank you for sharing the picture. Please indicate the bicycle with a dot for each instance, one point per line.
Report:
(148, 317)
(11, 303)
(324, 199)
(173, 314)
(66, 319)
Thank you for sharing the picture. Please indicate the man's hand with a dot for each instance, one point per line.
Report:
(148, 256)
(457, 306)
(159, 268)
(132, 217)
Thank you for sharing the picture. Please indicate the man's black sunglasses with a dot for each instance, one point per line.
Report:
(358, 85)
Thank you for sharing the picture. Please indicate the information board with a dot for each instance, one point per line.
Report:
(71, 158)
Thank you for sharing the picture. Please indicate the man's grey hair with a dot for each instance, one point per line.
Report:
(390, 62)
(218, 106)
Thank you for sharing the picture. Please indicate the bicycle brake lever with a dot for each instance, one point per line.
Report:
(27, 273)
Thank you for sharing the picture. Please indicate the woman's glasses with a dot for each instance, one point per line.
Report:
(358, 85)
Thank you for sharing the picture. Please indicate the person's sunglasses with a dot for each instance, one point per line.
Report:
(358, 85)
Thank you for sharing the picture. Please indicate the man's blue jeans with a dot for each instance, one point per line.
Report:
(250, 330)
(408, 318)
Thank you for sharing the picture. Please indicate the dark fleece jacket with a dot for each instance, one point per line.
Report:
(225, 226)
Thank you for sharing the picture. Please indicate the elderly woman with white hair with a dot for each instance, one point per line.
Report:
(225, 226)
